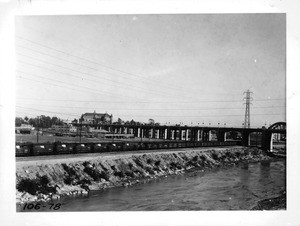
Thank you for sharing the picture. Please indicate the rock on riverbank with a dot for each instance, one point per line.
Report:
(45, 181)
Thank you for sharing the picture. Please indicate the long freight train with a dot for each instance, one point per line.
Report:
(58, 148)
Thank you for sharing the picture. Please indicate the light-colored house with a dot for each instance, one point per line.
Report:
(24, 129)
(102, 118)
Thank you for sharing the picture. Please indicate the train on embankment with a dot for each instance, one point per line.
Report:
(58, 148)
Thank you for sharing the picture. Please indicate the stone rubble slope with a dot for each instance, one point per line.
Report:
(53, 180)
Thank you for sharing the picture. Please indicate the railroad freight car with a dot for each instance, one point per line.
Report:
(57, 148)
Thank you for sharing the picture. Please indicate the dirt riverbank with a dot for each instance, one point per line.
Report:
(46, 180)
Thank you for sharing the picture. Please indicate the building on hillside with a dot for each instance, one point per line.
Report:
(100, 133)
(73, 129)
(24, 129)
(61, 128)
(98, 118)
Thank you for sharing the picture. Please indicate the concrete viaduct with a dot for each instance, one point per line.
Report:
(193, 133)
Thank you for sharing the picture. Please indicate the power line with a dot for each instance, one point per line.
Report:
(102, 65)
(94, 76)
(165, 109)
(198, 116)
(182, 116)
(87, 89)
(157, 83)
(54, 112)
(75, 63)
(163, 102)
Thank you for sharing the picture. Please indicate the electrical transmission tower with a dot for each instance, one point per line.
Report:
(248, 99)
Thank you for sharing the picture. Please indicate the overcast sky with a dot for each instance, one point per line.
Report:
(171, 68)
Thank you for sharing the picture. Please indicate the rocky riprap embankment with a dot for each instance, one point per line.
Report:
(46, 181)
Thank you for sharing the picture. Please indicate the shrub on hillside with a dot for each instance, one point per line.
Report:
(238, 154)
(37, 185)
(149, 161)
(103, 167)
(203, 158)
(195, 158)
(129, 173)
(157, 163)
(104, 175)
(130, 165)
(28, 185)
(70, 170)
(119, 174)
(255, 151)
(138, 163)
(215, 156)
(229, 154)
(150, 171)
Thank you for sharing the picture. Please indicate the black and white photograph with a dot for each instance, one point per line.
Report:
(150, 112)
(141, 113)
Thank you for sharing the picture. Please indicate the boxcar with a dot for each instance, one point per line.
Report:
(43, 149)
(22, 150)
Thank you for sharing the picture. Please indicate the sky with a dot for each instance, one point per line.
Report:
(190, 69)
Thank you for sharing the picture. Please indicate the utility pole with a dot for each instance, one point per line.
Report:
(80, 131)
(37, 132)
(248, 100)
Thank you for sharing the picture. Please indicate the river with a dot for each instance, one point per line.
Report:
(234, 188)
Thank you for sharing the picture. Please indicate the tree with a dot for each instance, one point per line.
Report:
(33, 122)
(44, 121)
(81, 119)
(151, 121)
(18, 121)
(120, 121)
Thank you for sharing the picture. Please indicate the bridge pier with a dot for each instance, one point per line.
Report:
(180, 134)
(142, 133)
(160, 133)
(191, 135)
(220, 136)
(168, 133)
(175, 134)
(146, 133)
(156, 132)
(152, 133)
(136, 132)
(195, 135)
(195, 131)
(245, 138)
(205, 136)
(209, 135)
(266, 140)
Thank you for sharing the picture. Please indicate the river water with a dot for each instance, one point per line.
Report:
(235, 188)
